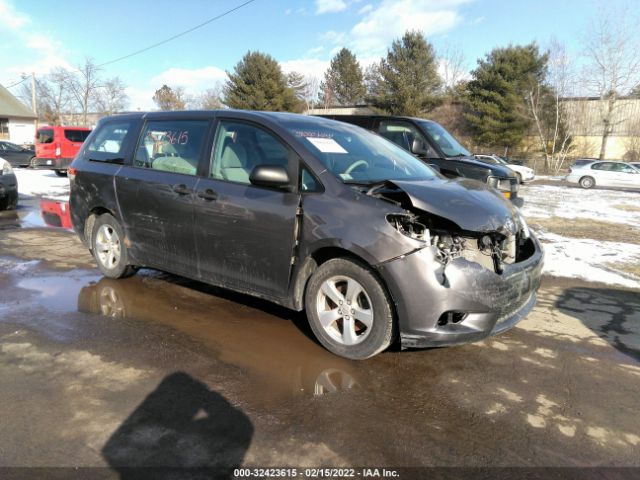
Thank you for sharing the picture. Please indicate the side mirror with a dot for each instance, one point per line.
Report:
(269, 176)
(418, 147)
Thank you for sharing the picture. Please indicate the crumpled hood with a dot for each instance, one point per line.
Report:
(468, 203)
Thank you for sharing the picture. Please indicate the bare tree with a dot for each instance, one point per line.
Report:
(210, 99)
(168, 98)
(612, 69)
(56, 93)
(546, 105)
(84, 84)
(310, 91)
(112, 96)
(453, 66)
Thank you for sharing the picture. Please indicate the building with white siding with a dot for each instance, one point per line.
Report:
(17, 121)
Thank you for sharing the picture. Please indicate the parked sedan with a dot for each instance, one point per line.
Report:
(524, 174)
(16, 155)
(8, 186)
(605, 174)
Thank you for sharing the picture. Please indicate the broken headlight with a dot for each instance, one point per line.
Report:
(408, 226)
(448, 247)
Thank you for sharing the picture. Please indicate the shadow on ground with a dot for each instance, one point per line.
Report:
(612, 314)
(182, 428)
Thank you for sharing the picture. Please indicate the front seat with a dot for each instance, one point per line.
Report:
(233, 162)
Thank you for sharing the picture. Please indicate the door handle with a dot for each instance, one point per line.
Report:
(181, 189)
(208, 194)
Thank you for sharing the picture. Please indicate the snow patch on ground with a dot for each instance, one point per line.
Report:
(589, 260)
(41, 183)
(546, 201)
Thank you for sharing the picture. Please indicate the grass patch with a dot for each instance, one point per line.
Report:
(590, 229)
(627, 208)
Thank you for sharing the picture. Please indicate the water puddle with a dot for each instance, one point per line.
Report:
(57, 294)
(258, 337)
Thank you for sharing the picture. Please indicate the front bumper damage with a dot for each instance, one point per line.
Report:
(461, 302)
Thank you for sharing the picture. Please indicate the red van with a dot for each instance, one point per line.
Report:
(57, 146)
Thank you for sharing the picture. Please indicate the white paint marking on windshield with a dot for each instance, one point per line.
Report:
(326, 145)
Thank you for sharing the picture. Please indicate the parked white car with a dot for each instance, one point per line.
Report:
(605, 174)
(524, 174)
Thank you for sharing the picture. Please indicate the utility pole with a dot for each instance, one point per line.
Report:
(34, 106)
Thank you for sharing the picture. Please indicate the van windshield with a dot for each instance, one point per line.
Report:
(355, 155)
(447, 143)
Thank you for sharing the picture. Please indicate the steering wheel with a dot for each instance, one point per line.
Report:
(355, 165)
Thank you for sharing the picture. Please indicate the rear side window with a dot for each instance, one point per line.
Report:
(172, 145)
(45, 135)
(603, 166)
(76, 135)
(107, 145)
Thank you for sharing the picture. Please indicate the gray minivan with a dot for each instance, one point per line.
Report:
(312, 214)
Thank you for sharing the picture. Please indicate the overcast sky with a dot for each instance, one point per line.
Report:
(36, 35)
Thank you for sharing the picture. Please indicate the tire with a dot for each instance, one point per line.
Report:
(369, 313)
(519, 177)
(587, 182)
(61, 173)
(109, 248)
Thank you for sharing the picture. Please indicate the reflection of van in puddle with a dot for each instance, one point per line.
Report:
(269, 347)
(55, 213)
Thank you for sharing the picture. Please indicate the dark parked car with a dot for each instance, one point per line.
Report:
(311, 214)
(8, 186)
(16, 155)
(430, 142)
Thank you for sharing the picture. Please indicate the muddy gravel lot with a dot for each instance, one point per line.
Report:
(159, 371)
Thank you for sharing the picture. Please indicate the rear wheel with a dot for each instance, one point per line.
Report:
(349, 309)
(109, 249)
(587, 182)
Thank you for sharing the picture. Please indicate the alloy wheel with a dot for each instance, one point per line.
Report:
(345, 310)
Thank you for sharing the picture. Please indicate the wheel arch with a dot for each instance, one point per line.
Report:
(90, 222)
(319, 256)
(587, 176)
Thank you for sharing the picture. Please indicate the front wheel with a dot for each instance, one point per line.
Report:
(519, 177)
(349, 309)
(587, 182)
(109, 249)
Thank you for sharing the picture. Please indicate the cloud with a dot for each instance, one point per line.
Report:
(379, 26)
(330, 6)
(192, 79)
(309, 67)
(42, 52)
(10, 18)
(367, 8)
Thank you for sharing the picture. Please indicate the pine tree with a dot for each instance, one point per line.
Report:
(343, 81)
(258, 83)
(497, 94)
(406, 82)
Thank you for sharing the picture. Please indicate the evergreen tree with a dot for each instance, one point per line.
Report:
(406, 82)
(258, 83)
(343, 81)
(496, 97)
